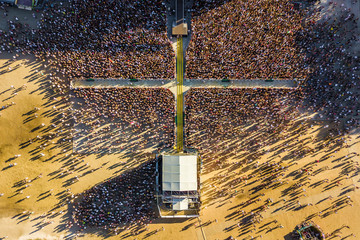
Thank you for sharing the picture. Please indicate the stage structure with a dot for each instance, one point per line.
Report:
(178, 169)
(178, 183)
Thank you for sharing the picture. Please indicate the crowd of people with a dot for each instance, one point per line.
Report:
(230, 39)
(332, 47)
(216, 119)
(248, 140)
(245, 40)
(103, 39)
(280, 39)
(120, 203)
(116, 119)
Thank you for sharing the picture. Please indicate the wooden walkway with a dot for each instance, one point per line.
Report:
(179, 86)
(179, 96)
(187, 83)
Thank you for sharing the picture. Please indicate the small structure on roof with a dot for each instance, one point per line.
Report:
(178, 184)
(180, 29)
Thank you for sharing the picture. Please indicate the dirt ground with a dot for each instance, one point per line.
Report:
(38, 209)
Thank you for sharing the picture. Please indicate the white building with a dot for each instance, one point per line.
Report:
(178, 184)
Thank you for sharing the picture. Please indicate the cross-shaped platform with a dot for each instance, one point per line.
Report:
(180, 85)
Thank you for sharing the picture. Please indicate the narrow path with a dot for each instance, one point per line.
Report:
(179, 95)
(242, 83)
(179, 11)
(187, 83)
(121, 83)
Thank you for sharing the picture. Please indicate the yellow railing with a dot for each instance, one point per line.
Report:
(180, 104)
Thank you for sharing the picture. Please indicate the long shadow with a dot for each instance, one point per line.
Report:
(130, 194)
(329, 81)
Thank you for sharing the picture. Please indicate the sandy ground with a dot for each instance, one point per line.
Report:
(53, 176)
